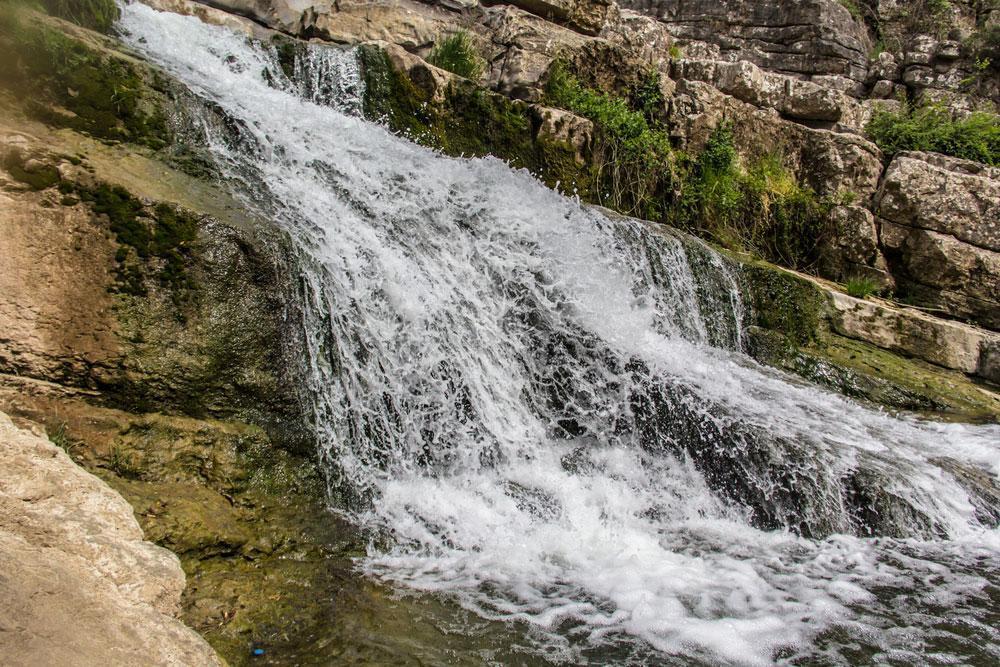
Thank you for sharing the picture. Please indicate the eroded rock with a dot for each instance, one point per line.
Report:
(940, 224)
(79, 583)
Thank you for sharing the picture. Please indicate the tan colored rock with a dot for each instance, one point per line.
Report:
(943, 194)
(940, 225)
(850, 249)
(793, 98)
(565, 127)
(910, 332)
(56, 319)
(212, 16)
(832, 163)
(585, 16)
(792, 36)
(79, 584)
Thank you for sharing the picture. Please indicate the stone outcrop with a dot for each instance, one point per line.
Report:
(585, 16)
(940, 226)
(812, 37)
(949, 344)
(206, 343)
(79, 583)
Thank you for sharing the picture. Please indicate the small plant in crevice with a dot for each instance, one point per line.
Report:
(457, 53)
(758, 208)
(122, 462)
(58, 435)
(861, 287)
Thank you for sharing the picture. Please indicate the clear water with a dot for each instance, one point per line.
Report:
(542, 414)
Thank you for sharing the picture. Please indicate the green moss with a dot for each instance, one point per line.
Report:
(869, 373)
(37, 177)
(67, 83)
(391, 98)
(162, 240)
(784, 302)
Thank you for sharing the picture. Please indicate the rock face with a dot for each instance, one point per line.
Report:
(811, 37)
(79, 584)
(940, 225)
(949, 344)
(211, 343)
(585, 16)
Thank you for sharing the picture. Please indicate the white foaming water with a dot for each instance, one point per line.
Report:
(521, 398)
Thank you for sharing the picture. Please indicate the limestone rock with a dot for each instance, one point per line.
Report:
(789, 96)
(830, 162)
(585, 16)
(79, 584)
(910, 332)
(565, 127)
(941, 227)
(943, 194)
(851, 248)
(797, 37)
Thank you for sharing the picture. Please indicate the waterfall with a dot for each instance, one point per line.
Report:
(540, 411)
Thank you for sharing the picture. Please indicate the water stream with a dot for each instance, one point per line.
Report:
(542, 413)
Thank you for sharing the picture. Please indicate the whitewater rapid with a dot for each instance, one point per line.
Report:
(543, 413)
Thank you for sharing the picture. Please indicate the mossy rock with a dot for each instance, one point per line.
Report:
(783, 301)
(470, 121)
(70, 81)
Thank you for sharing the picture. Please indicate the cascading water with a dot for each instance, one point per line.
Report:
(541, 411)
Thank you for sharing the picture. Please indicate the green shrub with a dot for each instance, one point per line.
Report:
(861, 288)
(933, 128)
(634, 160)
(759, 209)
(457, 54)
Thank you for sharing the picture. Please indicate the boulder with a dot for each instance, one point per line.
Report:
(851, 248)
(831, 163)
(585, 16)
(940, 226)
(791, 97)
(909, 332)
(79, 584)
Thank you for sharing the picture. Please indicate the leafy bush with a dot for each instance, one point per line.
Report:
(933, 128)
(634, 159)
(760, 209)
(860, 288)
(458, 55)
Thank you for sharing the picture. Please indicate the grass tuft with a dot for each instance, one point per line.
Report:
(457, 53)
(861, 288)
